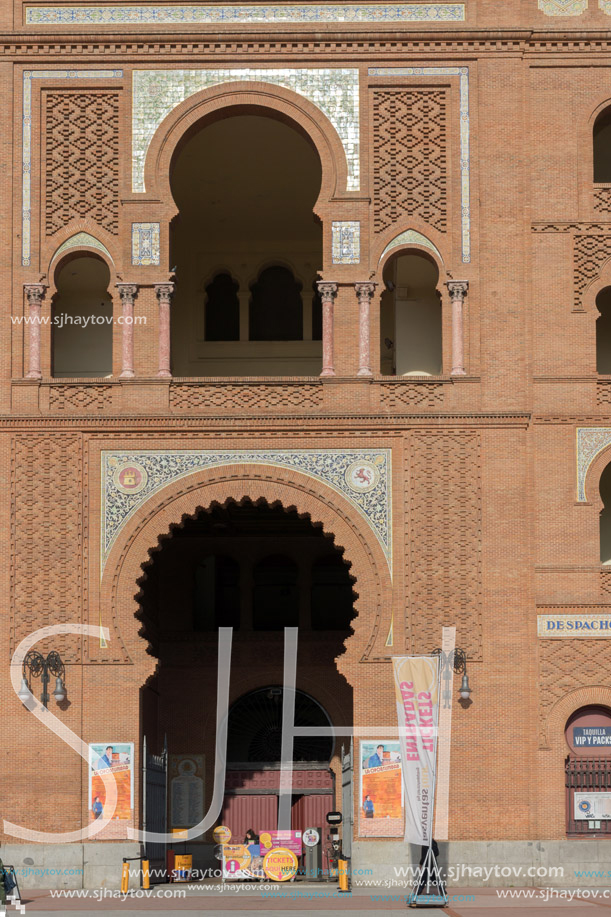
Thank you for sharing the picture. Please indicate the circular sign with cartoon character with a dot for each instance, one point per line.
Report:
(222, 834)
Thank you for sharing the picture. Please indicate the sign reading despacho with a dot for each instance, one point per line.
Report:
(584, 625)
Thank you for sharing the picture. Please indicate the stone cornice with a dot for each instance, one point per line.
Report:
(381, 43)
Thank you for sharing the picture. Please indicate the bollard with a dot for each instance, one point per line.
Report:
(125, 877)
(342, 871)
(146, 876)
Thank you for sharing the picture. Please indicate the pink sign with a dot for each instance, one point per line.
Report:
(288, 839)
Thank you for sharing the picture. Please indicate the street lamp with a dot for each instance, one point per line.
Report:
(37, 664)
(455, 660)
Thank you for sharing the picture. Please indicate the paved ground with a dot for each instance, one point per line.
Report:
(320, 900)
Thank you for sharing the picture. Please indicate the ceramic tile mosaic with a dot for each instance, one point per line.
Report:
(156, 92)
(145, 243)
(79, 240)
(363, 477)
(563, 7)
(605, 6)
(165, 14)
(465, 162)
(26, 142)
(346, 242)
(411, 237)
(590, 443)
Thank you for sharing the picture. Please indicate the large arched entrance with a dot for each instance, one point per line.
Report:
(257, 568)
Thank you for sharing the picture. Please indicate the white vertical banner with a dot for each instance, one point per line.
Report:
(442, 785)
(417, 695)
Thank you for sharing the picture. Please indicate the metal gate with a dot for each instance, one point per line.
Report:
(155, 799)
(347, 798)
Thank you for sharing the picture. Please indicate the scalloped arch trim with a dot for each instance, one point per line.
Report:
(411, 237)
(81, 240)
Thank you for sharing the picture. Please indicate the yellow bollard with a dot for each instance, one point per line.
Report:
(342, 870)
(125, 878)
(146, 876)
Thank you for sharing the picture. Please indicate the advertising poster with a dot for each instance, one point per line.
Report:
(381, 788)
(592, 806)
(288, 839)
(417, 696)
(117, 757)
(242, 862)
(186, 774)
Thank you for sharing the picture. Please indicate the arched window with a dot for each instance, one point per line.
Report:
(605, 516)
(603, 332)
(602, 147)
(410, 316)
(331, 594)
(217, 593)
(222, 310)
(276, 308)
(82, 318)
(276, 596)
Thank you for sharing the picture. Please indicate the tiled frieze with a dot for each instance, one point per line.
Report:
(411, 237)
(81, 240)
(334, 91)
(590, 443)
(362, 477)
(145, 243)
(346, 242)
(166, 14)
(563, 7)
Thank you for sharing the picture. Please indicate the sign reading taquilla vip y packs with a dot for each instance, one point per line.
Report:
(417, 696)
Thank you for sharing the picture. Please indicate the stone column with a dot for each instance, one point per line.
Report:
(164, 293)
(364, 292)
(327, 291)
(34, 293)
(127, 292)
(458, 291)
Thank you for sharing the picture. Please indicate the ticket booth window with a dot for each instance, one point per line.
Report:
(588, 773)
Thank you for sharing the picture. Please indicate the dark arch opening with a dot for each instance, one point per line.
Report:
(602, 147)
(605, 516)
(82, 317)
(243, 212)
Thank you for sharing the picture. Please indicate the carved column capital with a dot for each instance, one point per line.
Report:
(164, 292)
(127, 291)
(327, 289)
(458, 288)
(365, 290)
(34, 293)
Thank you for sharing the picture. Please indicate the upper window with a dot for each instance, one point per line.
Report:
(276, 307)
(602, 147)
(222, 310)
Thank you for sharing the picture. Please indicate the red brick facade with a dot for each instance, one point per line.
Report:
(487, 529)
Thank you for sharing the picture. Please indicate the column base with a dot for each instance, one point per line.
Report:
(127, 374)
(458, 372)
(164, 374)
(33, 375)
(327, 372)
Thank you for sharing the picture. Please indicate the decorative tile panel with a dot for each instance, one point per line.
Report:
(463, 74)
(165, 14)
(590, 443)
(363, 477)
(145, 243)
(605, 6)
(81, 240)
(334, 91)
(26, 149)
(346, 242)
(563, 7)
(411, 237)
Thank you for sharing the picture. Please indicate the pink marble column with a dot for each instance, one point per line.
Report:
(327, 292)
(127, 292)
(458, 291)
(34, 293)
(164, 293)
(364, 292)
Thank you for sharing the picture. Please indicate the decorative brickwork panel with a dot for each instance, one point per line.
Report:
(567, 665)
(602, 200)
(397, 397)
(445, 533)
(590, 254)
(603, 393)
(82, 169)
(65, 398)
(410, 157)
(605, 585)
(245, 397)
(46, 539)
